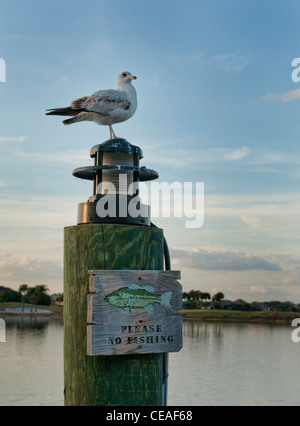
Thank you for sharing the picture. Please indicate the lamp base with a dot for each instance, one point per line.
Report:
(114, 209)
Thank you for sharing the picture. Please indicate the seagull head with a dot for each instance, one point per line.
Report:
(126, 77)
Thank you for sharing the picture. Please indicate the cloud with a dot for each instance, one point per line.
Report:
(228, 62)
(28, 270)
(257, 289)
(248, 285)
(28, 211)
(261, 213)
(294, 95)
(65, 157)
(223, 261)
(196, 58)
(238, 154)
(13, 138)
(181, 158)
(63, 80)
(232, 62)
(263, 159)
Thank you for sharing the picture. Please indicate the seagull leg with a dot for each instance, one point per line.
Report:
(112, 133)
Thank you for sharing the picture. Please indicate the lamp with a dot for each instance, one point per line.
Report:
(116, 174)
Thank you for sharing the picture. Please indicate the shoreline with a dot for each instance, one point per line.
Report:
(31, 314)
(276, 318)
(15, 309)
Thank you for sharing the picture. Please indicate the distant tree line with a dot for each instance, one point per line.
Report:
(37, 295)
(197, 298)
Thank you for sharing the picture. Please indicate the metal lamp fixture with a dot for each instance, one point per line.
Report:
(116, 174)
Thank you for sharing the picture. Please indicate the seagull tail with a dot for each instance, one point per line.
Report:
(63, 111)
(70, 121)
(76, 119)
(78, 115)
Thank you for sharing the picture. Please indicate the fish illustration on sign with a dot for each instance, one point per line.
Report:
(138, 297)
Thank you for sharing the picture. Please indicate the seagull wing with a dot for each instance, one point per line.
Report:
(102, 102)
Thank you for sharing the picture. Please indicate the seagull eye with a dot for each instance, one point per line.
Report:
(124, 74)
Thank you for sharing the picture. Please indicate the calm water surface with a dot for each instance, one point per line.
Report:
(220, 364)
(235, 364)
(31, 362)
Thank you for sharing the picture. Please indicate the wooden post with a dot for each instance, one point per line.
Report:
(128, 380)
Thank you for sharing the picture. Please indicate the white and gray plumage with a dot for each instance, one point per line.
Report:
(105, 107)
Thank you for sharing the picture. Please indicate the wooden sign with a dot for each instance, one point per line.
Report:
(133, 312)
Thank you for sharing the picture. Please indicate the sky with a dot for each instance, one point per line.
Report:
(216, 104)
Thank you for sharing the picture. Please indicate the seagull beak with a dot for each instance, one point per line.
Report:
(133, 77)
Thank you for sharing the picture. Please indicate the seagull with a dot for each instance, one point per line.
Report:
(105, 107)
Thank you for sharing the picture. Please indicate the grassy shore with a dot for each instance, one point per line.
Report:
(195, 314)
(239, 316)
(58, 310)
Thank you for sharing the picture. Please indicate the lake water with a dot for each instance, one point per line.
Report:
(220, 364)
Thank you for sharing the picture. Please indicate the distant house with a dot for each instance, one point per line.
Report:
(256, 306)
(268, 307)
(263, 306)
(228, 304)
(240, 302)
(54, 300)
(225, 304)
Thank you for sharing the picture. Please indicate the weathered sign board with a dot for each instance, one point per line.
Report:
(134, 312)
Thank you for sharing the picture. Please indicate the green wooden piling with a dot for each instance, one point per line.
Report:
(128, 380)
